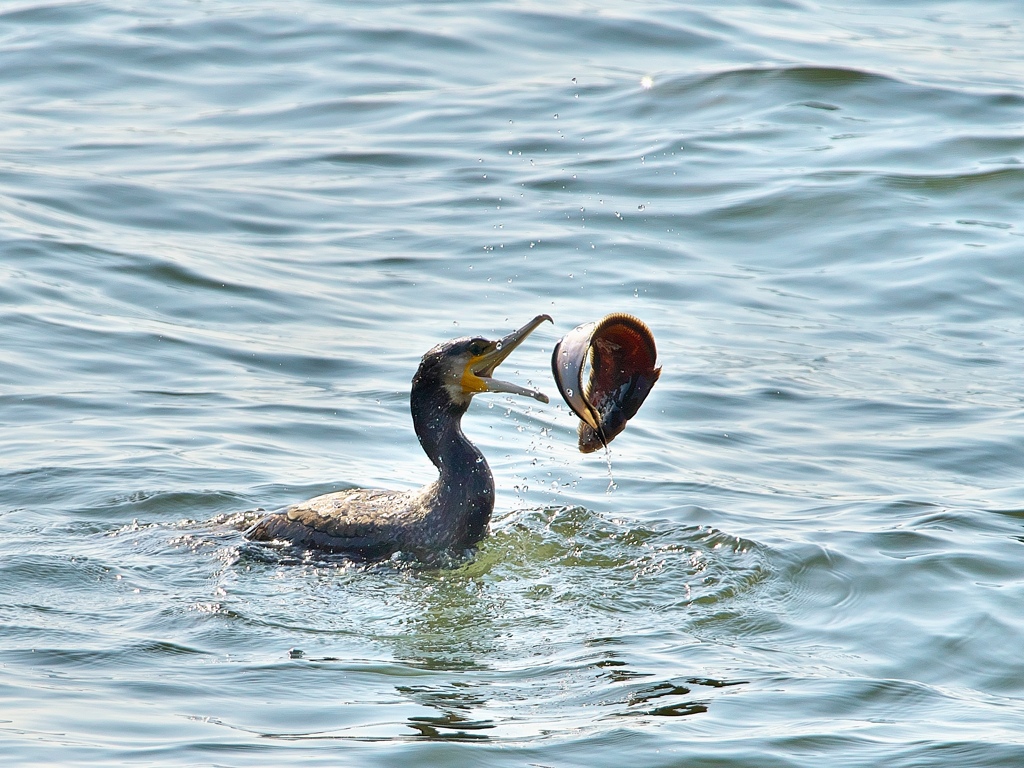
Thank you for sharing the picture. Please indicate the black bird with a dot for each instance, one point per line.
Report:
(443, 518)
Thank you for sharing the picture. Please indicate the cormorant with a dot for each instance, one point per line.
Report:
(442, 518)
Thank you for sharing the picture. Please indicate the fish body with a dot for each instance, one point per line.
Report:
(604, 371)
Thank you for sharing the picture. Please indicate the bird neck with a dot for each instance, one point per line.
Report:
(465, 488)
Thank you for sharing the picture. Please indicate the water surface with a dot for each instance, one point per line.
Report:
(227, 234)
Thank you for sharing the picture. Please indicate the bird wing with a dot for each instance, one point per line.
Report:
(367, 524)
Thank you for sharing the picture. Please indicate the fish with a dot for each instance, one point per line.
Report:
(604, 371)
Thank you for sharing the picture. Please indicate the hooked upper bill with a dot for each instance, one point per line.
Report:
(604, 371)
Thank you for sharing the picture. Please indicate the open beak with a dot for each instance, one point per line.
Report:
(478, 376)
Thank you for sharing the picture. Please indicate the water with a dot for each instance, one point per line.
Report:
(228, 232)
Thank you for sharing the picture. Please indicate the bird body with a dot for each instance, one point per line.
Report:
(446, 516)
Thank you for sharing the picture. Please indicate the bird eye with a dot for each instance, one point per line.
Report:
(478, 347)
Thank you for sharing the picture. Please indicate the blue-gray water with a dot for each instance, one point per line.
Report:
(229, 230)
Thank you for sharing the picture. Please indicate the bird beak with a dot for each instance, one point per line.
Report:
(480, 370)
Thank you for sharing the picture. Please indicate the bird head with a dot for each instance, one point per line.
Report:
(466, 366)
